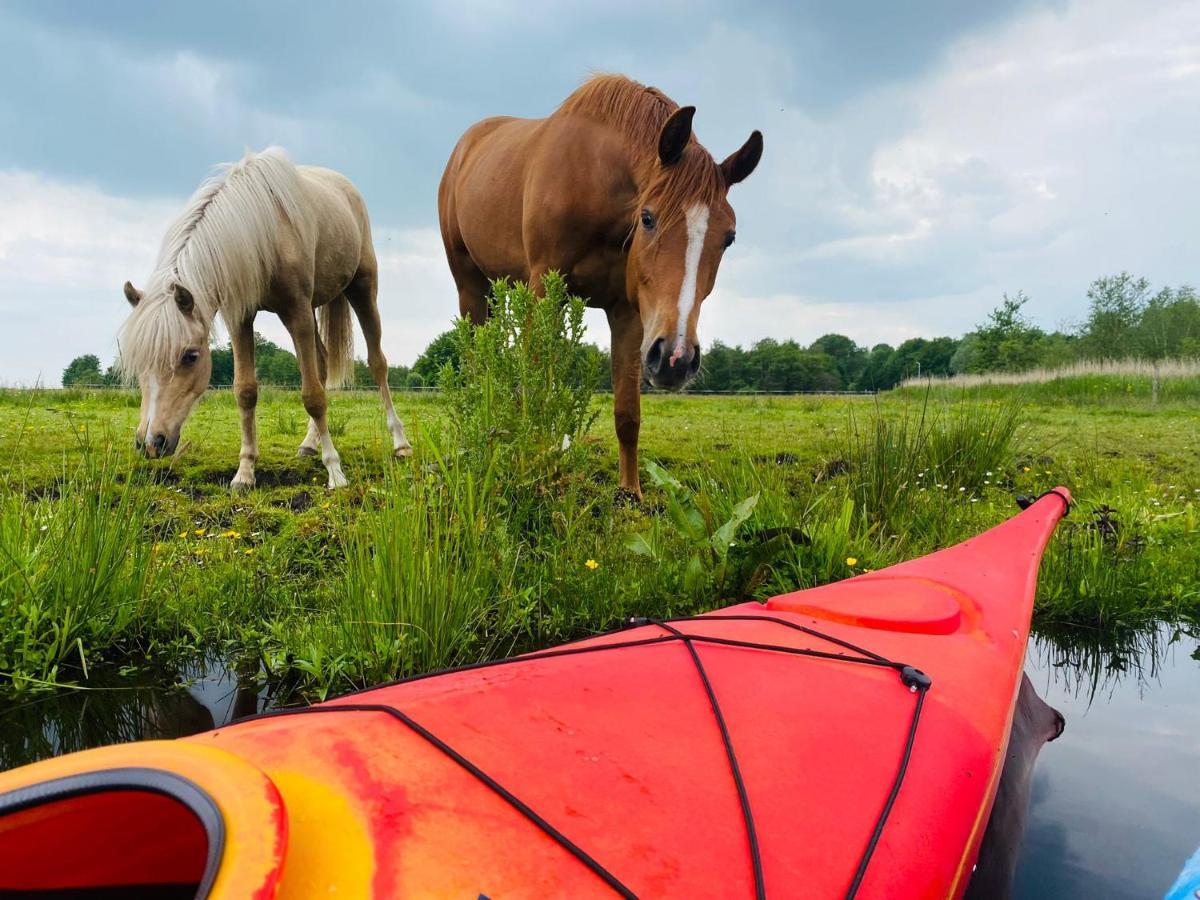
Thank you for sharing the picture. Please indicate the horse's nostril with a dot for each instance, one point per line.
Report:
(654, 356)
(160, 442)
(694, 362)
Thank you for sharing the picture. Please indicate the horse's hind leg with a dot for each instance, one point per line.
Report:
(311, 445)
(361, 294)
(473, 286)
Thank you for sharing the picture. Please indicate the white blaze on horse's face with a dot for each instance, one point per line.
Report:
(168, 398)
(676, 270)
(696, 220)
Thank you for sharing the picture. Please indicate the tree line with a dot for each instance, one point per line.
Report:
(1125, 319)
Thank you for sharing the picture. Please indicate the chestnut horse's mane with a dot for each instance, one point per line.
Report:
(639, 112)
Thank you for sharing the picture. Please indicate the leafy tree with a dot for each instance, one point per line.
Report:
(1169, 325)
(397, 376)
(222, 366)
(274, 365)
(881, 371)
(601, 361)
(1007, 341)
(83, 370)
(1116, 304)
(442, 349)
(849, 358)
(918, 357)
(721, 368)
(965, 356)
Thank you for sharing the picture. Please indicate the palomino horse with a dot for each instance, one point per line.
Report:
(262, 234)
(613, 191)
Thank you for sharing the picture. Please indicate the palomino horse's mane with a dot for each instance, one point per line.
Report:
(222, 249)
(639, 112)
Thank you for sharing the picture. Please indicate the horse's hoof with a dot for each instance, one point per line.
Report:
(306, 451)
(337, 480)
(240, 487)
(403, 452)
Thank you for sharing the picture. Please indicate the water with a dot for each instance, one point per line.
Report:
(1115, 806)
(119, 708)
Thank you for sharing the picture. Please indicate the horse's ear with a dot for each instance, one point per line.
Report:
(676, 132)
(132, 294)
(184, 300)
(741, 163)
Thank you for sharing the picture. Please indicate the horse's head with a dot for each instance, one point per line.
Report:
(164, 344)
(684, 224)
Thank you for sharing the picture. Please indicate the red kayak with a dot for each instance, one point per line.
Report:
(840, 741)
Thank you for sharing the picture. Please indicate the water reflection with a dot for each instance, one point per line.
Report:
(1088, 662)
(1115, 809)
(117, 708)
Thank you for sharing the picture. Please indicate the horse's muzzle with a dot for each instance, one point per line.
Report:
(157, 445)
(671, 366)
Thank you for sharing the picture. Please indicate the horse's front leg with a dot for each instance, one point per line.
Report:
(626, 327)
(303, 328)
(245, 389)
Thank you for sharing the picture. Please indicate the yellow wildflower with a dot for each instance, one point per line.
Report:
(852, 560)
(592, 564)
(231, 534)
(200, 532)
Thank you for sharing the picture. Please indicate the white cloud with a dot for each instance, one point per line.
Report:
(65, 251)
(1057, 149)
(417, 297)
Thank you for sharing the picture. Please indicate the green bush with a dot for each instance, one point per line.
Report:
(519, 399)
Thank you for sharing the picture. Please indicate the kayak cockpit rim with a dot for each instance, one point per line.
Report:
(185, 795)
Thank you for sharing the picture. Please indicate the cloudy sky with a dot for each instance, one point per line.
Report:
(921, 158)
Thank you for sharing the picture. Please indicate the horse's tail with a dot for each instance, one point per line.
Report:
(337, 334)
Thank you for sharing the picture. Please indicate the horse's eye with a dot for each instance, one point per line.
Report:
(647, 220)
(190, 357)
(729, 240)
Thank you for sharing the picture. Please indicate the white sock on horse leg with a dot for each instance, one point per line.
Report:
(333, 462)
(396, 427)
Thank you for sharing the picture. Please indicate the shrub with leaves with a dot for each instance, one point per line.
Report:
(524, 381)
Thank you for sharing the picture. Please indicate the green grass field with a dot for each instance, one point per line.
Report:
(109, 562)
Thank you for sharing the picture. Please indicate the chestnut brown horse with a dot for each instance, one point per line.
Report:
(613, 191)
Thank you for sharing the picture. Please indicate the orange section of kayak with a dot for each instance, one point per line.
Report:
(255, 826)
(618, 751)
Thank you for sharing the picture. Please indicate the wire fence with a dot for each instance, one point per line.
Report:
(434, 389)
